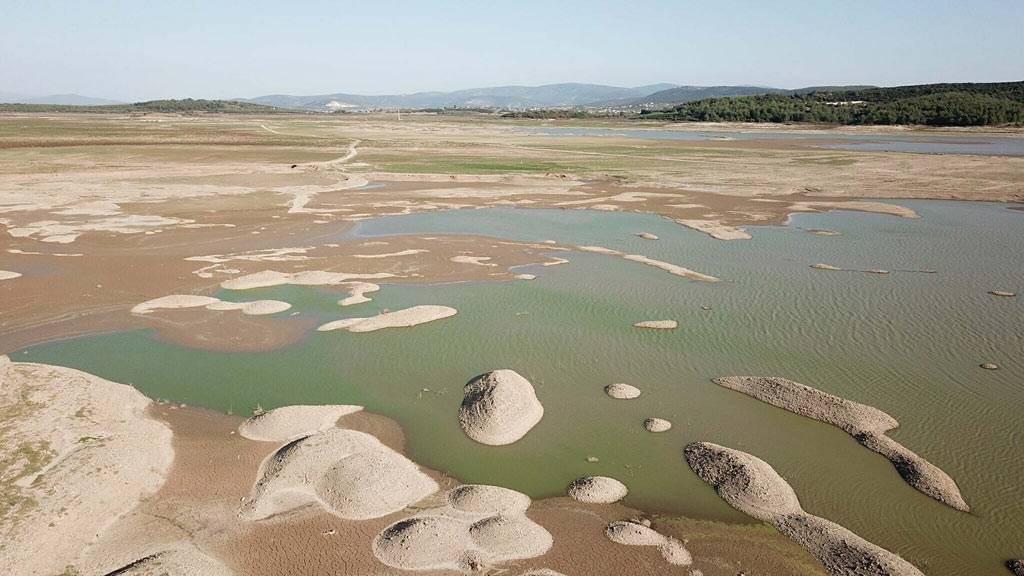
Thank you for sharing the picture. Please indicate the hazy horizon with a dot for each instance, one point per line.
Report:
(129, 52)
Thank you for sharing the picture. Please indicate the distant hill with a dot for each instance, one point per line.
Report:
(976, 104)
(187, 105)
(515, 97)
(58, 99)
(681, 94)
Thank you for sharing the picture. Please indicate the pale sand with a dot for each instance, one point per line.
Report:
(357, 293)
(859, 206)
(350, 474)
(269, 278)
(499, 408)
(657, 425)
(716, 229)
(633, 533)
(1003, 293)
(178, 301)
(869, 271)
(825, 267)
(990, 366)
(622, 391)
(823, 232)
(184, 560)
(291, 422)
(753, 487)
(555, 262)
(666, 266)
(475, 260)
(525, 277)
(404, 318)
(658, 324)
(542, 572)
(408, 252)
(8, 275)
(53, 231)
(492, 529)
(597, 490)
(84, 450)
(866, 424)
(646, 235)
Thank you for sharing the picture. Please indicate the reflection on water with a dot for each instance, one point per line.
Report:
(920, 143)
(908, 343)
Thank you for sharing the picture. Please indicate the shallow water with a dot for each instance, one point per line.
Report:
(919, 143)
(908, 342)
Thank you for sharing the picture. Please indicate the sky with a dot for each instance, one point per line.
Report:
(139, 50)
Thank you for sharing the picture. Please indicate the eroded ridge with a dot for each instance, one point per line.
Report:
(866, 424)
(753, 487)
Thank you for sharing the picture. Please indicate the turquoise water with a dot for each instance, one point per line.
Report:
(909, 343)
(918, 143)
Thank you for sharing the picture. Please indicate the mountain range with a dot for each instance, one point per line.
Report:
(56, 99)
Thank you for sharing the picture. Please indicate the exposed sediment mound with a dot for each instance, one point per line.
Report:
(182, 561)
(482, 526)
(716, 229)
(351, 474)
(753, 487)
(179, 301)
(1003, 293)
(866, 424)
(646, 235)
(825, 267)
(658, 324)
(269, 278)
(357, 293)
(990, 366)
(404, 318)
(666, 266)
(8, 275)
(78, 451)
(597, 490)
(291, 422)
(657, 425)
(499, 408)
(622, 391)
(633, 533)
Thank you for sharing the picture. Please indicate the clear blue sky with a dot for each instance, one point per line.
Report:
(135, 50)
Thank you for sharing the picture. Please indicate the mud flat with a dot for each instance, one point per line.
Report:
(404, 318)
(753, 487)
(480, 527)
(184, 560)
(349, 473)
(499, 408)
(866, 424)
(291, 422)
(84, 451)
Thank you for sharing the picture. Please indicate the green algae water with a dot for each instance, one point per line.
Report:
(908, 342)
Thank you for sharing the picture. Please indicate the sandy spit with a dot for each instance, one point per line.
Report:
(666, 266)
(85, 452)
(1003, 293)
(269, 278)
(597, 490)
(658, 324)
(499, 408)
(291, 422)
(404, 318)
(184, 560)
(350, 474)
(636, 533)
(859, 206)
(482, 526)
(622, 391)
(866, 424)
(179, 301)
(716, 229)
(8, 275)
(357, 293)
(657, 425)
(753, 487)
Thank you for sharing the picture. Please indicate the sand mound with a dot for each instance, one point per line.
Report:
(499, 408)
(825, 267)
(597, 490)
(622, 391)
(657, 425)
(291, 422)
(658, 324)
(357, 293)
(483, 499)
(306, 278)
(79, 452)
(351, 474)
(405, 318)
(482, 526)
(630, 533)
(990, 366)
(753, 487)
(1002, 293)
(177, 301)
(866, 424)
(525, 277)
(8, 275)
(183, 561)
(646, 235)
